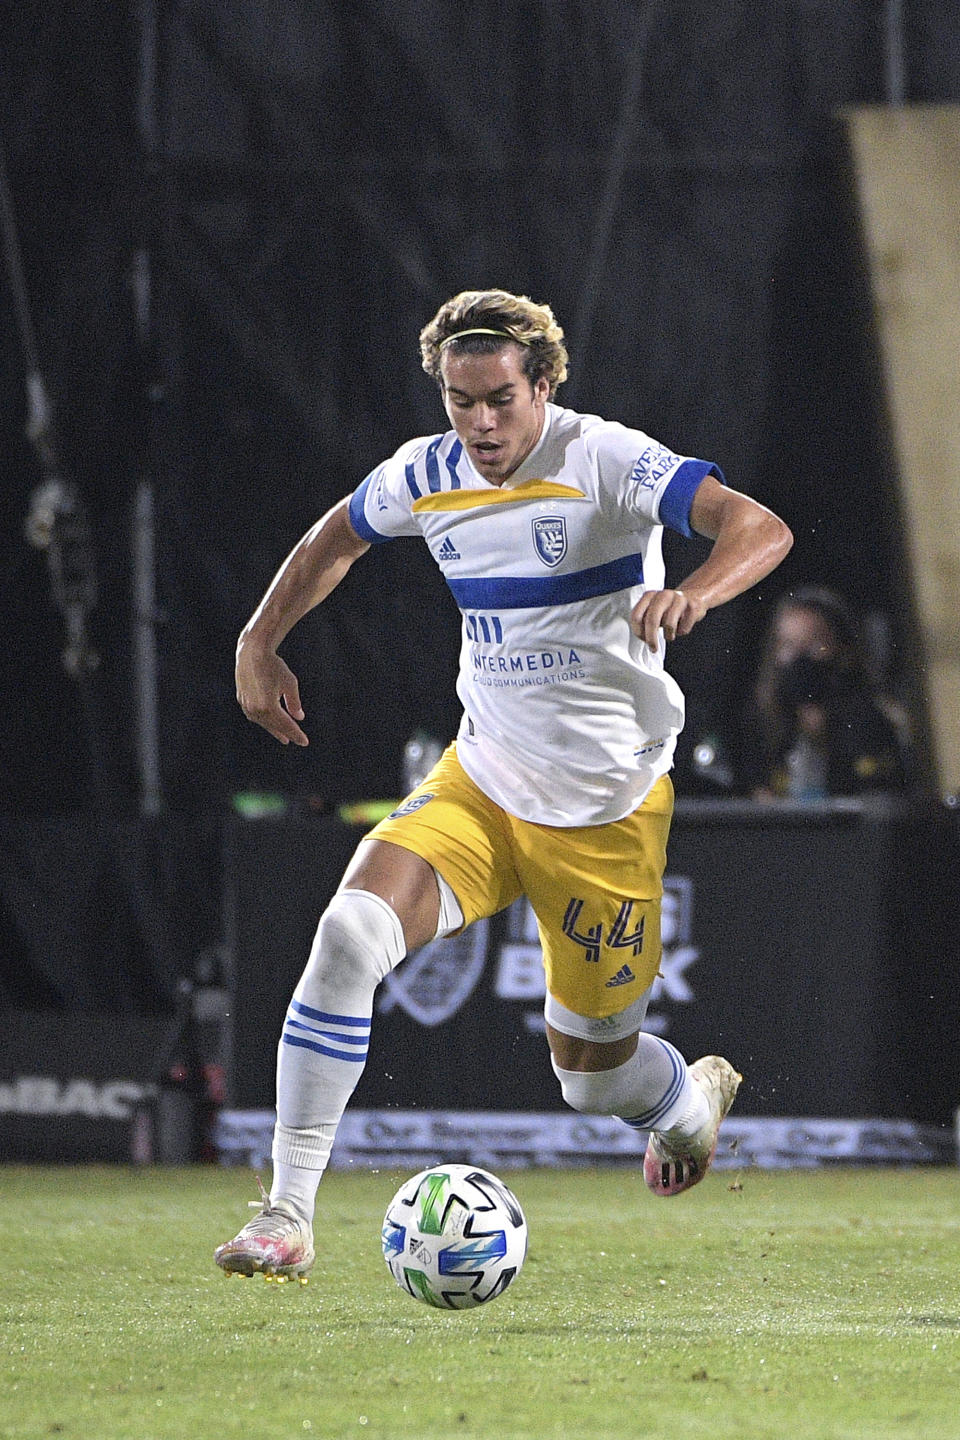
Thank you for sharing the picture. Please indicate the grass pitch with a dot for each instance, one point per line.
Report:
(759, 1306)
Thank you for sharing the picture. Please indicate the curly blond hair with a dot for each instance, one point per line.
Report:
(511, 317)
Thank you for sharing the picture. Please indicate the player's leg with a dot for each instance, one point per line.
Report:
(389, 901)
(645, 1081)
(640, 1078)
(394, 897)
(597, 892)
(423, 872)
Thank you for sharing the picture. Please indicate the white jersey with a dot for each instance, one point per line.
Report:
(568, 717)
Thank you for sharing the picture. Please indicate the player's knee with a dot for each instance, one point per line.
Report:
(597, 1092)
(359, 940)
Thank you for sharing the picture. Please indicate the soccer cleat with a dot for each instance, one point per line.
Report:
(673, 1164)
(277, 1244)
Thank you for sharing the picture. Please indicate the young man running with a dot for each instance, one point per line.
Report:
(546, 525)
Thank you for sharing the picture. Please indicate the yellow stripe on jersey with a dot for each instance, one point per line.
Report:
(468, 499)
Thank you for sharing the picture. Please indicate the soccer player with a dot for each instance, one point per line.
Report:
(546, 525)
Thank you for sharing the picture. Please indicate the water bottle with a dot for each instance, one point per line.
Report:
(806, 771)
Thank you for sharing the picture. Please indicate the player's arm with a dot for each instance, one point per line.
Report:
(267, 688)
(748, 542)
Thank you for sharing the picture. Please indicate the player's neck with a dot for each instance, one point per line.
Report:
(525, 456)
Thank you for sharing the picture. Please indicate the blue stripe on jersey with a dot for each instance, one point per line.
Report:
(411, 478)
(357, 517)
(433, 469)
(453, 460)
(523, 592)
(678, 496)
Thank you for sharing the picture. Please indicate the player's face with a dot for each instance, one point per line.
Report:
(495, 410)
(803, 632)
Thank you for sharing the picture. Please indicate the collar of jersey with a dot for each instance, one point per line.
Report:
(532, 487)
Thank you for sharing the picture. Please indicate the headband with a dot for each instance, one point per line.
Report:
(481, 330)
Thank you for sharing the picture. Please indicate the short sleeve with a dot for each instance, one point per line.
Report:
(651, 482)
(380, 507)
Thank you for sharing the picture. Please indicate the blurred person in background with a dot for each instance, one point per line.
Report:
(818, 724)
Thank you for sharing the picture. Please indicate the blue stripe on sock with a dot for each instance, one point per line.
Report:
(329, 1034)
(329, 1019)
(648, 1120)
(322, 1049)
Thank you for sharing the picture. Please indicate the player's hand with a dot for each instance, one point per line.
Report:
(269, 695)
(671, 611)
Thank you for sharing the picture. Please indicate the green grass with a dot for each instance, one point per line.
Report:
(760, 1306)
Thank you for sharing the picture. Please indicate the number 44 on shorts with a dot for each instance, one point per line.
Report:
(620, 937)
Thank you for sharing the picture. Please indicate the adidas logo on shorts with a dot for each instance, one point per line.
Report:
(448, 551)
(623, 977)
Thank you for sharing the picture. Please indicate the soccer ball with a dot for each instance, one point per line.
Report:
(454, 1237)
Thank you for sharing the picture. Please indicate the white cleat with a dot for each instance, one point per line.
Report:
(277, 1243)
(673, 1164)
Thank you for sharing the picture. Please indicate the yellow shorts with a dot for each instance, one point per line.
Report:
(595, 889)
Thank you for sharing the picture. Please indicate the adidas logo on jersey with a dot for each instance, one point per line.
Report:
(448, 551)
(623, 977)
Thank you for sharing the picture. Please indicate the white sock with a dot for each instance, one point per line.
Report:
(326, 1034)
(682, 1108)
(696, 1113)
(650, 1091)
(297, 1186)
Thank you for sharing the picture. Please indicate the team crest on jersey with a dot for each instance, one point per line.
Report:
(411, 806)
(550, 538)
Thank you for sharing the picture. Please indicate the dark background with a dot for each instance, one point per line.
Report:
(308, 181)
(817, 982)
